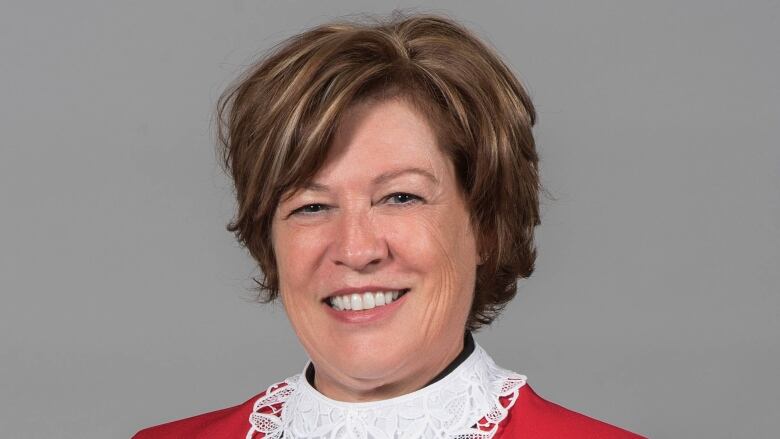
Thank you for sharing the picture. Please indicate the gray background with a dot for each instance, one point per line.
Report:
(655, 304)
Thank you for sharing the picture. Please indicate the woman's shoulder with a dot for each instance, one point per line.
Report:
(529, 417)
(534, 417)
(226, 422)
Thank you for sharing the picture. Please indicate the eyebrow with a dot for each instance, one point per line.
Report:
(379, 179)
(387, 176)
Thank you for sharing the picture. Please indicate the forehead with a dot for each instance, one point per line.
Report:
(381, 136)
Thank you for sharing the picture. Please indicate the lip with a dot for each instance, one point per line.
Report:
(366, 316)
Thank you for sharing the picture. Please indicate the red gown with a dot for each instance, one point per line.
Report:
(531, 417)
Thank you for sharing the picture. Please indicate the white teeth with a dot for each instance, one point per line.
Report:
(367, 300)
(357, 302)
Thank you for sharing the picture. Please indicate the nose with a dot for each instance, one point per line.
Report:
(358, 243)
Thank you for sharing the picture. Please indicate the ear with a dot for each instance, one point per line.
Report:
(484, 248)
(481, 255)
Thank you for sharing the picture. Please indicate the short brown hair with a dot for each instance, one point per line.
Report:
(275, 125)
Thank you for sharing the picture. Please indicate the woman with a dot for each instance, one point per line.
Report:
(387, 185)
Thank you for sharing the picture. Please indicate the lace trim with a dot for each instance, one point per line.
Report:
(469, 403)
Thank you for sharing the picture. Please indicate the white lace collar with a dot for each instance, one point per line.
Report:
(468, 403)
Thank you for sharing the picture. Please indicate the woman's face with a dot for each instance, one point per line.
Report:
(383, 216)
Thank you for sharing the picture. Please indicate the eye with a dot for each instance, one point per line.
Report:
(309, 209)
(402, 198)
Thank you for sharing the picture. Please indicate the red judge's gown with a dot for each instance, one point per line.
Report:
(475, 400)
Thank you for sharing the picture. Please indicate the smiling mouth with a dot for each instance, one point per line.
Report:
(363, 301)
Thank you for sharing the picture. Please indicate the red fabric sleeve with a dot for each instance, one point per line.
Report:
(532, 417)
(231, 422)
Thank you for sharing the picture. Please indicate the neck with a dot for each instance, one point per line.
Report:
(370, 390)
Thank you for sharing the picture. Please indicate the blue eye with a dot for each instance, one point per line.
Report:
(309, 209)
(403, 198)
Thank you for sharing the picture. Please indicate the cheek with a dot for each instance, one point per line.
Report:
(296, 252)
(442, 250)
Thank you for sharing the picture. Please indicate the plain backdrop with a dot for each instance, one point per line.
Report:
(125, 302)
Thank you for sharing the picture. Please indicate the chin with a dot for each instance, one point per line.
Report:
(372, 358)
